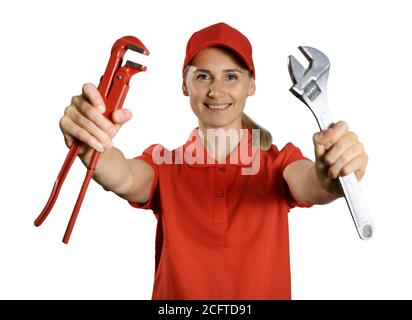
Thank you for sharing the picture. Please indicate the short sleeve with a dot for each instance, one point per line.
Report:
(153, 197)
(288, 155)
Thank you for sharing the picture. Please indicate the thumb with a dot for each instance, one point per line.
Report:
(121, 116)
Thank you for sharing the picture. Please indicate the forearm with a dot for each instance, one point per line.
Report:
(306, 187)
(312, 191)
(316, 194)
(112, 170)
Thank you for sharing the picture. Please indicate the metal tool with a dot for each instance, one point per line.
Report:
(310, 86)
(113, 87)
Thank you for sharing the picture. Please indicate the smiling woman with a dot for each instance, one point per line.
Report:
(222, 231)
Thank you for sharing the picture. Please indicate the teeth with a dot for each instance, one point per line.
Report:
(218, 106)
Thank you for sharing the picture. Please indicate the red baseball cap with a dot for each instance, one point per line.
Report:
(223, 35)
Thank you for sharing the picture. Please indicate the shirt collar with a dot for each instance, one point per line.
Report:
(196, 154)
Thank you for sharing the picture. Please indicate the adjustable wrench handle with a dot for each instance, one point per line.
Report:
(357, 206)
(351, 189)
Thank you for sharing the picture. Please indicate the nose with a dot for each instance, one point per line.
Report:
(216, 89)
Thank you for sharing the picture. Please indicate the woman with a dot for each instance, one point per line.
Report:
(222, 229)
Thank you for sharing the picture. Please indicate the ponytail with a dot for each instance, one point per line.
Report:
(265, 136)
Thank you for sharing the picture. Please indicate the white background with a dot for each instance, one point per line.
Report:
(49, 49)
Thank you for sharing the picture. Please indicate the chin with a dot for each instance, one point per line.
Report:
(219, 124)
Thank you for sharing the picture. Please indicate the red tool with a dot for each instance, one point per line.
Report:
(113, 87)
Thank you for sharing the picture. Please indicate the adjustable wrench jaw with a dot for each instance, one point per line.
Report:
(310, 85)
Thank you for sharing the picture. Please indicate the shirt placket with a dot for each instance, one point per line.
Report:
(220, 195)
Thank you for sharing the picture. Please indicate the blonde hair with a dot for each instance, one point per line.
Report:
(265, 136)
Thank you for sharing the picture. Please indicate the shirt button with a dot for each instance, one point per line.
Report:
(219, 193)
(222, 168)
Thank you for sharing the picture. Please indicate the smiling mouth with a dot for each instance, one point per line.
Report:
(217, 106)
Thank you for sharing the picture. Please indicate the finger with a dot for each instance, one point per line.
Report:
(336, 169)
(79, 133)
(68, 139)
(89, 126)
(359, 174)
(121, 116)
(321, 169)
(333, 134)
(320, 150)
(356, 165)
(90, 112)
(92, 94)
(340, 147)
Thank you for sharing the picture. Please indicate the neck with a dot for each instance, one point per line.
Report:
(220, 142)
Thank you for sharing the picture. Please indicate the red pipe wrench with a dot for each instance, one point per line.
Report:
(113, 87)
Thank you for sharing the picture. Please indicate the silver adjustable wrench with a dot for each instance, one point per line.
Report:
(309, 86)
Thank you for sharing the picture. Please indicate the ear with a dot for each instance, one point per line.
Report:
(252, 87)
(184, 89)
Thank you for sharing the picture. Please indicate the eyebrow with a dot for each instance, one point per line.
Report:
(233, 70)
(226, 70)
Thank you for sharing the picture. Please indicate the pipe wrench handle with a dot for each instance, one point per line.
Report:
(357, 206)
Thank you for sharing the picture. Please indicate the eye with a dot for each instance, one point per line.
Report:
(232, 76)
(202, 76)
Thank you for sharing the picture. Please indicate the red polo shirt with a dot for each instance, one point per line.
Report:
(221, 234)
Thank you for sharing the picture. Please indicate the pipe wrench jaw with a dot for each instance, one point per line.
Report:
(136, 66)
(133, 44)
(116, 59)
(130, 43)
(114, 84)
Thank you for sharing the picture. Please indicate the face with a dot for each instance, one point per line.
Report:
(218, 85)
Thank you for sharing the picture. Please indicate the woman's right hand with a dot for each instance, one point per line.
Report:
(83, 119)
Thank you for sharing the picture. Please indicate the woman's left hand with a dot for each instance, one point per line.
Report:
(338, 153)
